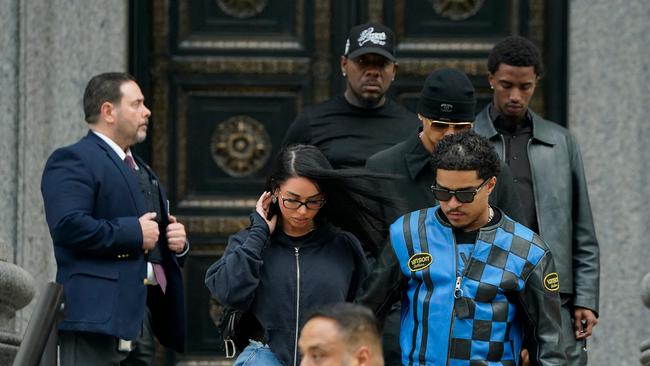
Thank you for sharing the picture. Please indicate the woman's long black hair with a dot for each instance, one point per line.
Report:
(353, 196)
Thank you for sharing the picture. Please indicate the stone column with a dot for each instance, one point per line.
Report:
(50, 49)
(608, 99)
(16, 291)
(645, 296)
(63, 43)
(16, 285)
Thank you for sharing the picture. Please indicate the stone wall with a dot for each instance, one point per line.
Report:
(49, 51)
(608, 100)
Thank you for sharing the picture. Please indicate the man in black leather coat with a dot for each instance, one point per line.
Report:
(547, 167)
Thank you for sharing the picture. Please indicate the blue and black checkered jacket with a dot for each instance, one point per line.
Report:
(477, 317)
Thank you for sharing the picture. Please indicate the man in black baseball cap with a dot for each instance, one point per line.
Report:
(369, 64)
(350, 127)
(370, 38)
(446, 106)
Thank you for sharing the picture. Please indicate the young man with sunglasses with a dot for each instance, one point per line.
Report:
(446, 106)
(351, 127)
(472, 281)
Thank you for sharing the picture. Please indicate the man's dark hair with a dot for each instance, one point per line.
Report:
(356, 323)
(103, 88)
(515, 51)
(467, 151)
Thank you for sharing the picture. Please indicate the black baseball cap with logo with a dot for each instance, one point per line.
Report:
(370, 38)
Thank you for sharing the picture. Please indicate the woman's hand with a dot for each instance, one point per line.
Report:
(262, 207)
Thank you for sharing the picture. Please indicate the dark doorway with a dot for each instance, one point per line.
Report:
(225, 78)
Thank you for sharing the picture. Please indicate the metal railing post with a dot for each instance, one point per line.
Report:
(645, 296)
(41, 330)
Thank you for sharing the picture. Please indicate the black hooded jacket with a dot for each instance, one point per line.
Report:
(281, 280)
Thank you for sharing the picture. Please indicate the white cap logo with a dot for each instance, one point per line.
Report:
(369, 35)
(446, 107)
(347, 46)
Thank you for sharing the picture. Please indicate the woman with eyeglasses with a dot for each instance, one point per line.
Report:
(303, 249)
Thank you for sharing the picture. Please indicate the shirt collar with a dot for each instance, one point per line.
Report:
(497, 119)
(118, 150)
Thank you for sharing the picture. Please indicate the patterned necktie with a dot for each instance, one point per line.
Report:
(158, 270)
(130, 162)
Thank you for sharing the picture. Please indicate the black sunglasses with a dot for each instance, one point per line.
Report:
(444, 194)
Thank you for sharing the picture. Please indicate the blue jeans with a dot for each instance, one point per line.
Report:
(257, 353)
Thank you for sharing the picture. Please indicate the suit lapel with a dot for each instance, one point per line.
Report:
(128, 176)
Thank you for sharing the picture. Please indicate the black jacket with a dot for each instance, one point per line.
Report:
(412, 162)
(269, 275)
(347, 135)
(562, 204)
(92, 204)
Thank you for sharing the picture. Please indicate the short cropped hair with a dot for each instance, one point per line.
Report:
(103, 88)
(515, 51)
(357, 323)
(467, 151)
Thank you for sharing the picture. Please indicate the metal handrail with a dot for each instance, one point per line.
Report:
(41, 328)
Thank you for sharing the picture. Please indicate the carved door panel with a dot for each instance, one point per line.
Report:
(225, 78)
(459, 34)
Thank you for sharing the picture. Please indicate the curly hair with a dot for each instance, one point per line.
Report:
(467, 151)
(515, 51)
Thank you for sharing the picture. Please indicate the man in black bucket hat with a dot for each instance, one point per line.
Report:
(351, 127)
(446, 106)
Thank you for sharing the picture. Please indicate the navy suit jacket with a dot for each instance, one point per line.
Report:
(93, 201)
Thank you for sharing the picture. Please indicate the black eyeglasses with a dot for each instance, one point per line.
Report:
(444, 194)
(294, 204)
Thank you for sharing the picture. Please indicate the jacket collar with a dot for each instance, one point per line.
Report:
(445, 222)
(127, 174)
(485, 126)
(321, 235)
(416, 156)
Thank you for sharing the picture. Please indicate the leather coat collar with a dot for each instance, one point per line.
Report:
(484, 126)
(416, 156)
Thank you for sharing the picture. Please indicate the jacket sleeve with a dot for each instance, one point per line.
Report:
(233, 279)
(299, 131)
(383, 286)
(69, 195)
(379, 163)
(586, 257)
(541, 305)
(360, 264)
(507, 198)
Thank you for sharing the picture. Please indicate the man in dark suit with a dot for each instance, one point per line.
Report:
(117, 248)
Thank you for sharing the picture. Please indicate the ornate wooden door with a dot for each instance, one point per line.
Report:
(225, 78)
